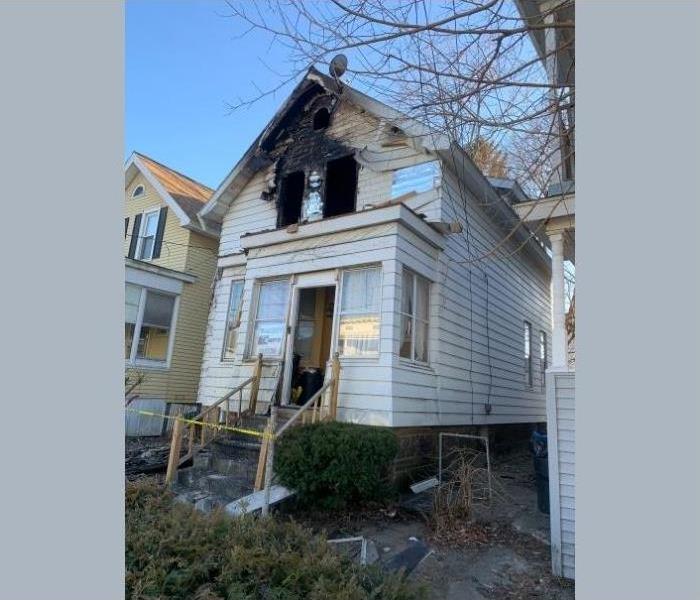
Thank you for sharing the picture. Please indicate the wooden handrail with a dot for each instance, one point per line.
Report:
(304, 407)
(174, 460)
(223, 399)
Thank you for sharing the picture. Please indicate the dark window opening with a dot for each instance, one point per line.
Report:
(291, 196)
(341, 187)
(322, 118)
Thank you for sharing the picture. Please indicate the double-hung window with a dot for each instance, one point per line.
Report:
(147, 235)
(148, 325)
(358, 321)
(414, 317)
(233, 319)
(270, 318)
(527, 338)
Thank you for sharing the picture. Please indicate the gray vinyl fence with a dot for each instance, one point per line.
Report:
(143, 425)
(138, 424)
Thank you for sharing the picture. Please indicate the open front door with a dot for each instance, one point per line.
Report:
(309, 340)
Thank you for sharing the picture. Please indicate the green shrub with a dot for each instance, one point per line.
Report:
(174, 552)
(333, 464)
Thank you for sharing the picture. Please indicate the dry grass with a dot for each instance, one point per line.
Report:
(465, 484)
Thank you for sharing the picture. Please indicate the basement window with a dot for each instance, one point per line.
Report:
(291, 196)
(322, 119)
(341, 187)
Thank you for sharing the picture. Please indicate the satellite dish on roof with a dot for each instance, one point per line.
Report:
(338, 66)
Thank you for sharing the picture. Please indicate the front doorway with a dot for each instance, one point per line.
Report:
(309, 344)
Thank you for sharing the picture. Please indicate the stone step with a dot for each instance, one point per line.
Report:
(207, 489)
(254, 501)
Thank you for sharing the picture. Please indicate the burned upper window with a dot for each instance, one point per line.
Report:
(315, 173)
(291, 196)
(322, 118)
(341, 187)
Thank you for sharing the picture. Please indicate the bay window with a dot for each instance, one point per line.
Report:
(233, 319)
(270, 318)
(358, 321)
(414, 317)
(148, 325)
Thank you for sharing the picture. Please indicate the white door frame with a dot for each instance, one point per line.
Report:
(319, 279)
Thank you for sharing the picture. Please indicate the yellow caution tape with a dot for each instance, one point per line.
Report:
(217, 426)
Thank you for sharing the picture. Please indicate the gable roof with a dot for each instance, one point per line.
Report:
(255, 157)
(423, 138)
(185, 196)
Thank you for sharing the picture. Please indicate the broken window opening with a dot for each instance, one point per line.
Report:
(290, 199)
(341, 186)
(322, 119)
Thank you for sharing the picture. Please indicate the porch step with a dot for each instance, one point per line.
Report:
(254, 502)
(207, 489)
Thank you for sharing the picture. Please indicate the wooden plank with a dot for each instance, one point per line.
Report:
(335, 377)
(262, 459)
(175, 446)
(252, 405)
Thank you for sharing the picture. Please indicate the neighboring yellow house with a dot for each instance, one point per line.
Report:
(170, 265)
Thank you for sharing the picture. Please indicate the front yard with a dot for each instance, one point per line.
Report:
(175, 552)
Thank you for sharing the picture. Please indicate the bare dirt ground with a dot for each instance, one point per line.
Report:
(504, 554)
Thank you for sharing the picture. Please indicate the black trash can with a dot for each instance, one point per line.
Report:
(538, 446)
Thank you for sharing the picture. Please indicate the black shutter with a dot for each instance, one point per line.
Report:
(159, 232)
(126, 226)
(134, 236)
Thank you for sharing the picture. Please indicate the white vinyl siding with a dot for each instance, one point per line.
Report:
(475, 309)
(561, 441)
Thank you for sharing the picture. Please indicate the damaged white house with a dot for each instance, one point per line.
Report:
(349, 228)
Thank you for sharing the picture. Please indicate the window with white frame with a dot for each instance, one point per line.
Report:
(543, 355)
(270, 318)
(138, 191)
(233, 319)
(414, 316)
(147, 235)
(527, 338)
(147, 325)
(358, 321)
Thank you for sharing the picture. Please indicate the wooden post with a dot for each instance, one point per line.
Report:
(213, 416)
(255, 386)
(269, 460)
(335, 375)
(262, 459)
(175, 446)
